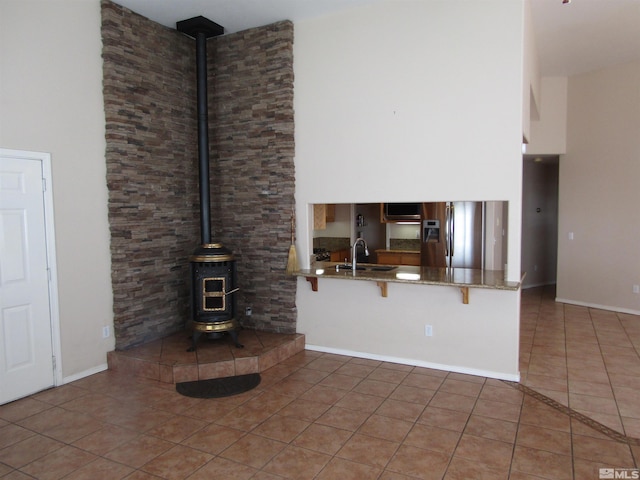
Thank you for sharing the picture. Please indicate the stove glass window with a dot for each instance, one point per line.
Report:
(213, 294)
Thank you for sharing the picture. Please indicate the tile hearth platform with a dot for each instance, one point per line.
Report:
(167, 360)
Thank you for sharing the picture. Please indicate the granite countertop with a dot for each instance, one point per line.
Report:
(459, 277)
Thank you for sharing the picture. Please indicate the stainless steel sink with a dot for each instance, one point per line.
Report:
(349, 267)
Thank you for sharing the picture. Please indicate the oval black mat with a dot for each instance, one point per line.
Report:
(219, 387)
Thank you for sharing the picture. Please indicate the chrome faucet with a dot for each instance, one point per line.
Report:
(354, 255)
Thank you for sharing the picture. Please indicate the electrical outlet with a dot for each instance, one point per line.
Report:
(428, 331)
(248, 311)
(106, 331)
(636, 289)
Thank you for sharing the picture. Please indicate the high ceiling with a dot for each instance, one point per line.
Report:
(572, 38)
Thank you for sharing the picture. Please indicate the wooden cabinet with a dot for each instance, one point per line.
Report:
(319, 216)
(330, 212)
(340, 255)
(397, 257)
(323, 213)
(412, 258)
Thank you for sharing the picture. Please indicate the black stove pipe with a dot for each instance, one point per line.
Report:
(202, 28)
(203, 139)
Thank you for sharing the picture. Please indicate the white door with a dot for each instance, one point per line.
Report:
(26, 352)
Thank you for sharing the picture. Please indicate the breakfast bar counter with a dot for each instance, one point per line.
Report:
(462, 278)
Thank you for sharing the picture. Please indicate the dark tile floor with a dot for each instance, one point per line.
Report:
(324, 416)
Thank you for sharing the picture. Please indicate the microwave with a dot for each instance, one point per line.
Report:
(402, 211)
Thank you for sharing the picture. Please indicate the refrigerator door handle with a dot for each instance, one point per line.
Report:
(446, 232)
(452, 236)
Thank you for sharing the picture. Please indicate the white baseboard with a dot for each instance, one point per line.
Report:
(86, 373)
(417, 363)
(599, 307)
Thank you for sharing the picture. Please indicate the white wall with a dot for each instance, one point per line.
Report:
(399, 101)
(531, 81)
(549, 132)
(352, 317)
(405, 101)
(599, 194)
(51, 101)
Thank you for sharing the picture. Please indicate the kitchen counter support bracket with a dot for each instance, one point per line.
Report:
(465, 295)
(314, 283)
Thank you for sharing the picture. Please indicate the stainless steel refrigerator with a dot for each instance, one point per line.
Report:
(452, 234)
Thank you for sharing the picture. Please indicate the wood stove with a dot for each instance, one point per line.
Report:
(213, 267)
(213, 284)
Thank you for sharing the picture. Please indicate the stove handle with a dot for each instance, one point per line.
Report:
(231, 291)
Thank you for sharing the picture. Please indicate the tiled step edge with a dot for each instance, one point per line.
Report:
(155, 370)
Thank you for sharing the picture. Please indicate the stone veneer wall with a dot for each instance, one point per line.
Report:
(152, 177)
(151, 154)
(253, 176)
